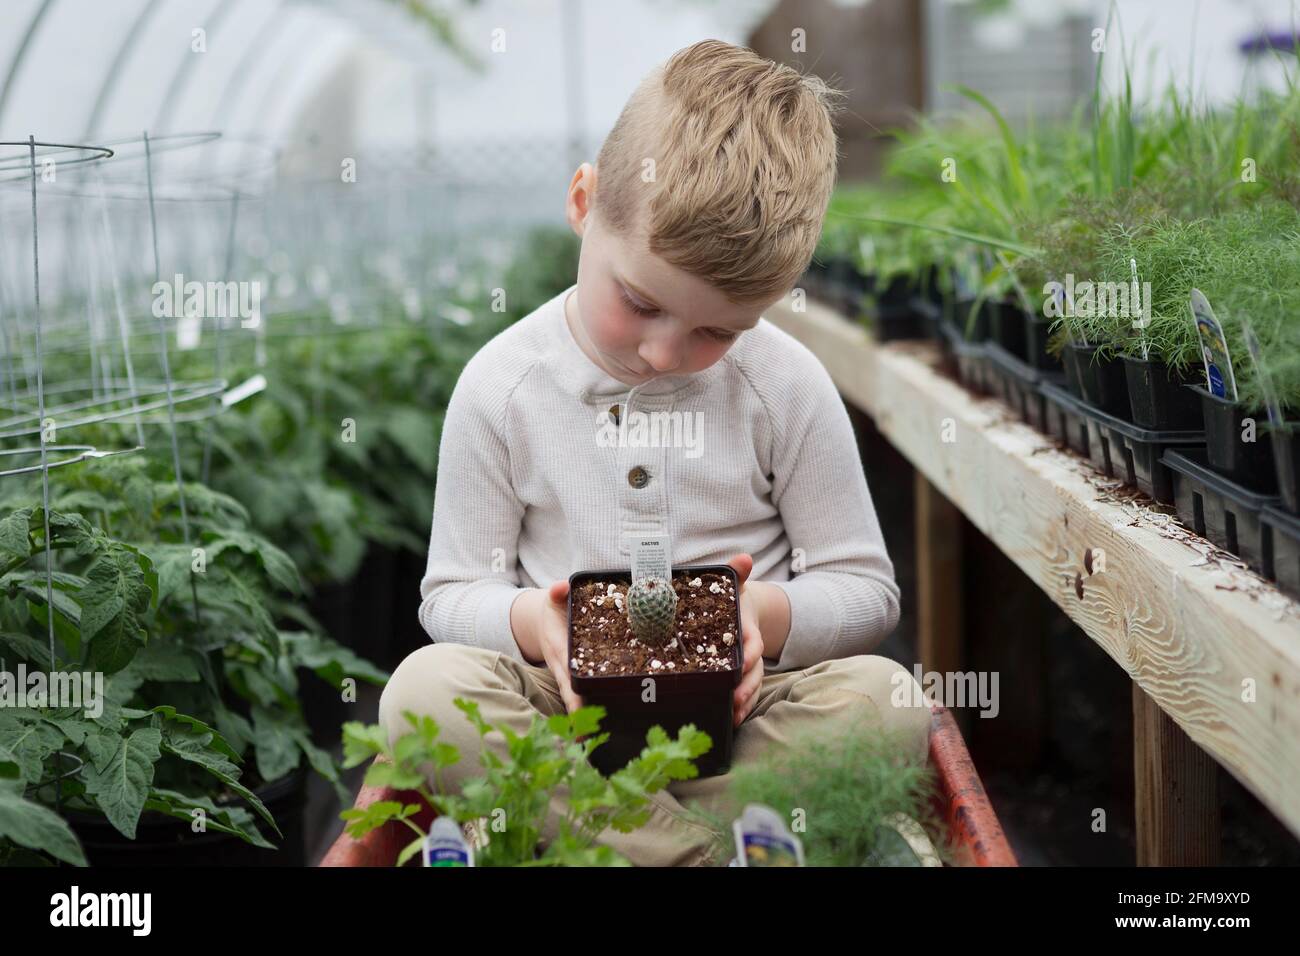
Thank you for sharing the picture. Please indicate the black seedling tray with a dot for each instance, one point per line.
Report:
(1102, 384)
(1157, 399)
(972, 360)
(1020, 385)
(1286, 459)
(702, 698)
(1007, 327)
(1245, 463)
(1282, 548)
(1218, 509)
(1122, 450)
(894, 321)
(931, 316)
(1037, 333)
(1066, 421)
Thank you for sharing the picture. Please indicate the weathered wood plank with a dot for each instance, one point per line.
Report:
(1176, 791)
(939, 626)
(1215, 647)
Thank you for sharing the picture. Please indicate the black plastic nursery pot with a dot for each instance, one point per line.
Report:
(167, 841)
(960, 315)
(844, 285)
(1102, 382)
(814, 278)
(930, 315)
(702, 698)
(1286, 461)
(1119, 449)
(1221, 510)
(1157, 396)
(1246, 463)
(1038, 331)
(897, 311)
(1066, 420)
(1007, 327)
(1282, 548)
(1020, 385)
(971, 359)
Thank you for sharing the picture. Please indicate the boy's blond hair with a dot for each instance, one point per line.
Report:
(744, 157)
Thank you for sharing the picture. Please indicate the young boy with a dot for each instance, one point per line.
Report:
(703, 209)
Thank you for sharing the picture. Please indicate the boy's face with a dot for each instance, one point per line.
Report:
(640, 316)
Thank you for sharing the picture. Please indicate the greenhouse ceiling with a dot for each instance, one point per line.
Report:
(80, 70)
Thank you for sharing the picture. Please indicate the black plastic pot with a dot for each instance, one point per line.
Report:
(1102, 383)
(961, 314)
(1120, 449)
(931, 317)
(971, 358)
(1157, 397)
(1282, 548)
(1066, 421)
(1286, 461)
(895, 312)
(1020, 386)
(845, 285)
(701, 698)
(1216, 508)
(167, 841)
(1246, 463)
(1037, 332)
(1007, 327)
(1070, 362)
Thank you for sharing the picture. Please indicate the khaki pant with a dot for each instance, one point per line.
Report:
(510, 693)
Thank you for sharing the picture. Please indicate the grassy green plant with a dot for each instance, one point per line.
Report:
(846, 785)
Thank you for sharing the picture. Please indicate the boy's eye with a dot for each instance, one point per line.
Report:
(638, 309)
(719, 335)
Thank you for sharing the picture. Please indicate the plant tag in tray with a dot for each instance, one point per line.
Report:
(1214, 348)
(763, 840)
(446, 845)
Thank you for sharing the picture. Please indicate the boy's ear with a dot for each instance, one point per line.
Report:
(580, 202)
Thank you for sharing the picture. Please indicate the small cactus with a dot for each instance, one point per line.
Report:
(651, 610)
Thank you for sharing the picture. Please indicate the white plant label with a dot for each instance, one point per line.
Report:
(652, 556)
(189, 330)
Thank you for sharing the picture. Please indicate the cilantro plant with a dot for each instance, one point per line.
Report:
(518, 790)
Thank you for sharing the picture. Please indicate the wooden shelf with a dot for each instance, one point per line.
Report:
(1189, 625)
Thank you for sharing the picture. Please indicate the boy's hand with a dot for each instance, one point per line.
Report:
(553, 636)
(751, 674)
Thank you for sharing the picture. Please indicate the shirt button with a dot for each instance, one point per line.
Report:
(638, 477)
(614, 412)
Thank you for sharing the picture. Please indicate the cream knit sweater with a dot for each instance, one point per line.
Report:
(755, 454)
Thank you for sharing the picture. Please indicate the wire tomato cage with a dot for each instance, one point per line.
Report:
(33, 409)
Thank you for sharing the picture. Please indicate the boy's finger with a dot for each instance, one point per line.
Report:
(742, 564)
(559, 591)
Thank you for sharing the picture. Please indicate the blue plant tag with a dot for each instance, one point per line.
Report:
(1219, 378)
(445, 845)
(762, 839)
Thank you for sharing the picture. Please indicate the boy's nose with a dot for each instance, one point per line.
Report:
(663, 355)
